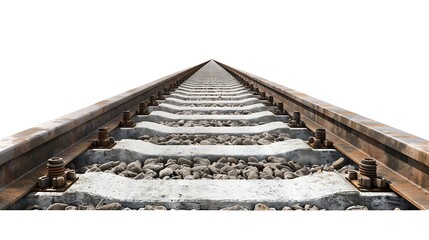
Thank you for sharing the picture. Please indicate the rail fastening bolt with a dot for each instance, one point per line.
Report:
(103, 134)
(152, 101)
(126, 116)
(160, 96)
(270, 100)
(56, 169)
(143, 109)
(320, 134)
(280, 109)
(256, 91)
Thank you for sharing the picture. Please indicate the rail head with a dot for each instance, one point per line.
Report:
(404, 154)
(22, 152)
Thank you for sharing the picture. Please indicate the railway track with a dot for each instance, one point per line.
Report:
(213, 138)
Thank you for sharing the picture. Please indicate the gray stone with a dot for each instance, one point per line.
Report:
(170, 161)
(110, 206)
(217, 176)
(264, 141)
(176, 166)
(268, 171)
(233, 173)
(165, 172)
(356, 207)
(184, 173)
(234, 208)
(315, 169)
(57, 206)
(258, 165)
(263, 175)
(299, 173)
(278, 173)
(109, 165)
(252, 159)
(213, 170)
(119, 168)
(149, 172)
(71, 208)
(224, 137)
(289, 175)
(154, 160)
(262, 207)
(242, 161)
(140, 176)
(296, 207)
(93, 169)
(34, 207)
(154, 167)
(256, 138)
(328, 168)
(88, 207)
(127, 173)
(189, 177)
(346, 169)
(135, 166)
(187, 142)
(222, 160)
(199, 168)
(206, 142)
(173, 142)
(286, 208)
(154, 207)
(218, 165)
(200, 160)
(232, 160)
(314, 208)
(82, 170)
(197, 175)
(292, 165)
(144, 137)
(284, 168)
(240, 166)
(183, 161)
(225, 169)
(305, 170)
(247, 142)
(208, 176)
(237, 141)
(252, 175)
(274, 159)
(71, 166)
(341, 162)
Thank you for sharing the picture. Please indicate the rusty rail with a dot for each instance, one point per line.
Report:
(402, 158)
(23, 156)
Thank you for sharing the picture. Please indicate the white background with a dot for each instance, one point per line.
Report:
(369, 57)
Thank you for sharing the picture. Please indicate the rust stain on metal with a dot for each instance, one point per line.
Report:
(403, 159)
(23, 156)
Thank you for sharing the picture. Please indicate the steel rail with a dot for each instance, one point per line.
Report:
(401, 157)
(23, 156)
